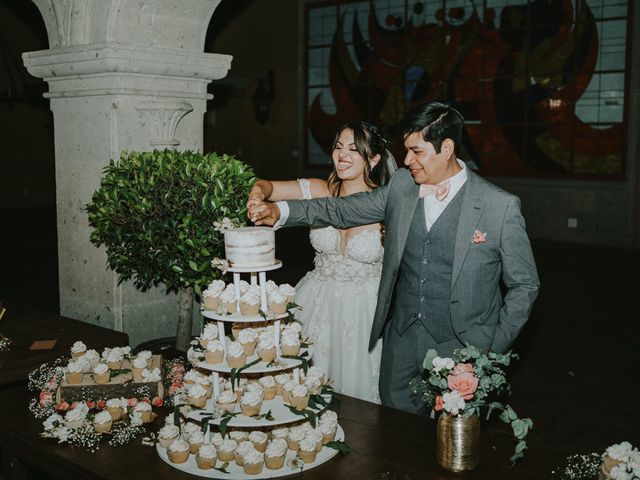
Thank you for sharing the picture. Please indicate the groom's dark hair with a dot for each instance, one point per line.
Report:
(437, 122)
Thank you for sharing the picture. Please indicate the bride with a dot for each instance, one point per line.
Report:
(338, 297)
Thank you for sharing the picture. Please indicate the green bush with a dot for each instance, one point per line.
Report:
(154, 213)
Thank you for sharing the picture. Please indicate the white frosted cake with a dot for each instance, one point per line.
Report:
(250, 246)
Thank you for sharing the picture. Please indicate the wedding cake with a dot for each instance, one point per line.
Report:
(250, 246)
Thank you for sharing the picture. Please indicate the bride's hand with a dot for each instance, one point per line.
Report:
(256, 196)
(264, 213)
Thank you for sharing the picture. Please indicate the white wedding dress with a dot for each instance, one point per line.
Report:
(338, 300)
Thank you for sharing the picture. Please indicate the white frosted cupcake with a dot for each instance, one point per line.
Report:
(74, 373)
(288, 291)
(328, 432)
(102, 422)
(139, 364)
(244, 286)
(242, 448)
(313, 384)
(147, 355)
(167, 435)
(214, 353)
(268, 384)
(78, 349)
(209, 333)
(115, 407)
(307, 451)
(252, 462)
(229, 299)
(286, 390)
(144, 409)
(178, 451)
(250, 301)
(152, 375)
(259, 440)
(281, 379)
(329, 416)
(236, 357)
(226, 450)
(317, 436)
(216, 439)
(76, 417)
(250, 403)
(197, 395)
(275, 454)
(206, 456)
(296, 435)
(270, 286)
(299, 397)
(239, 436)
(195, 440)
(211, 296)
(316, 372)
(290, 342)
(266, 349)
(277, 302)
(254, 386)
(226, 401)
(188, 429)
(114, 358)
(282, 432)
(92, 357)
(247, 338)
(101, 374)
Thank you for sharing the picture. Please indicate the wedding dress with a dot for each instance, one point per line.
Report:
(338, 299)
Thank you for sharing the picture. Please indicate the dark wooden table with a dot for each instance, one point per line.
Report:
(383, 441)
(25, 325)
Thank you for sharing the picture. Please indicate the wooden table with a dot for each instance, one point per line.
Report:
(24, 325)
(382, 440)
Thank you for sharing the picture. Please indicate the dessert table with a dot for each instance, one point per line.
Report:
(24, 326)
(386, 444)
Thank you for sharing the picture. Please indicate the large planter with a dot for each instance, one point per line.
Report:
(458, 442)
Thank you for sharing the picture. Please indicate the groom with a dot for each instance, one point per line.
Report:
(450, 238)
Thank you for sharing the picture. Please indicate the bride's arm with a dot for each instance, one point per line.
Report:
(275, 191)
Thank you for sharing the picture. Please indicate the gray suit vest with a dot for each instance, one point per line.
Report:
(423, 288)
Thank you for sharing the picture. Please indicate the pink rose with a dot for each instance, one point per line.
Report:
(91, 404)
(439, 404)
(157, 402)
(132, 402)
(462, 368)
(46, 398)
(101, 404)
(464, 383)
(62, 406)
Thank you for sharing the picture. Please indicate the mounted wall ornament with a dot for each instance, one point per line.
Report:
(163, 119)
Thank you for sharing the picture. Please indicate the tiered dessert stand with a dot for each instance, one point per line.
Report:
(281, 416)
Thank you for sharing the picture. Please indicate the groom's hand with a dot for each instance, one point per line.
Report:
(264, 213)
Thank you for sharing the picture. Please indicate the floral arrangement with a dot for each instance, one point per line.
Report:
(173, 379)
(619, 462)
(469, 381)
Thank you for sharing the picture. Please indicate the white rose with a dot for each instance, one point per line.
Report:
(442, 364)
(51, 422)
(619, 472)
(453, 402)
(620, 451)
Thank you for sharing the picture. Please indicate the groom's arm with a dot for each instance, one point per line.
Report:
(520, 277)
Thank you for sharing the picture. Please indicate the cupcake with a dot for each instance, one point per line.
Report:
(286, 390)
(152, 375)
(92, 357)
(253, 462)
(206, 456)
(101, 374)
(196, 439)
(197, 395)
(288, 292)
(277, 302)
(189, 429)
(115, 407)
(247, 338)
(236, 357)
(211, 296)
(307, 451)
(237, 327)
(114, 358)
(178, 451)
(74, 373)
(250, 301)
(250, 403)
(168, 434)
(216, 439)
(192, 377)
(226, 401)
(316, 372)
(313, 384)
(102, 422)
(229, 299)
(317, 436)
(148, 356)
(281, 379)
(242, 448)
(282, 432)
(268, 385)
(259, 440)
(226, 450)
(144, 409)
(329, 416)
(76, 417)
(275, 454)
(299, 397)
(239, 436)
(266, 348)
(290, 342)
(254, 386)
(296, 435)
(244, 286)
(270, 286)
(139, 364)
(214, 353)
(210, 332)
(78, 349)
(328, 432)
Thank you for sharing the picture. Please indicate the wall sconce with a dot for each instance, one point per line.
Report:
(262, 98)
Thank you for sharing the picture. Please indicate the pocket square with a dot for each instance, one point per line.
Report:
(479, 237)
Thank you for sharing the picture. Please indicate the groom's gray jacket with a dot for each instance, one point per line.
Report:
(479, 313)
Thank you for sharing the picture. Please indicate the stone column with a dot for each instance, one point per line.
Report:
(123, 75)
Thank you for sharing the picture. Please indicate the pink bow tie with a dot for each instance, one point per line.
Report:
(441, 190)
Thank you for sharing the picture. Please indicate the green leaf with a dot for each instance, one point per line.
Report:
(226, 418)
(222, 468)
(339, 445)
(193, 265)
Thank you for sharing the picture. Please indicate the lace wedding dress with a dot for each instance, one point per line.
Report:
(338, 299)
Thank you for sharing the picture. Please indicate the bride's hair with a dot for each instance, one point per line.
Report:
(369, 142)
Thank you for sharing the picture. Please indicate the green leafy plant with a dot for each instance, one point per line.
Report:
(155, 212)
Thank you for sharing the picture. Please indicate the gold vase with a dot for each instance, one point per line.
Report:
(458, 441)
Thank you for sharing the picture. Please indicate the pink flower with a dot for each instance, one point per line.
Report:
(62, 406)
(173, 388)
(479, 237)
(462, 368)
(157, 402)
(439, 404)
(46, 398)
(73, 405)
(101, 404)
(464, 383)
(145, 400)
(91, 404)
(132, 402)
